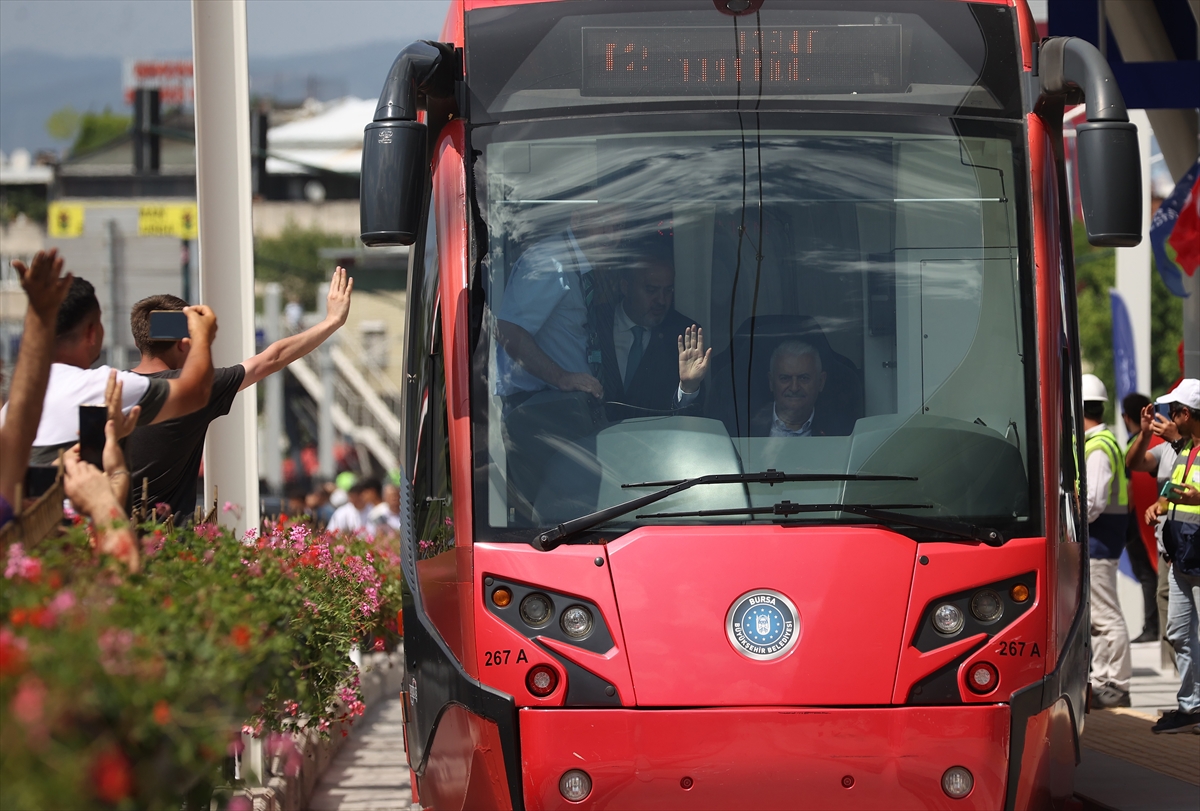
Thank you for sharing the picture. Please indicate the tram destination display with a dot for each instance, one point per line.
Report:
(712, 61)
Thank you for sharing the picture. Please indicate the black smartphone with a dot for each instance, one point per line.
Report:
(168, 325)
(39, 479)
(91, 434)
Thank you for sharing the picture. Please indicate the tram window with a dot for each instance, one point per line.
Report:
(433, 500)
(887, 258)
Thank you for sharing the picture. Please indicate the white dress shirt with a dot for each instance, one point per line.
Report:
(623, 341)
(778, 428)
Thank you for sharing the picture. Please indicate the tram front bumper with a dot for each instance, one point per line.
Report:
(763, 758)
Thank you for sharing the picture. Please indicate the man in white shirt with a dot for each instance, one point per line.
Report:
(79, 337)
(355, 515)
(1108, 517)
(386, 514)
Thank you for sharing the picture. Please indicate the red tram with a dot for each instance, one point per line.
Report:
(830, 558)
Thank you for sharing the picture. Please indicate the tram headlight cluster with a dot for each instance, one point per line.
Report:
(985, 609)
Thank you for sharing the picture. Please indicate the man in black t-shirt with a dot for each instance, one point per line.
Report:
(169, 453)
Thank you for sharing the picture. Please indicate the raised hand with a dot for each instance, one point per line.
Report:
(1165, 428)
(1147, 418)
(122, 424)
(337, 303)
(202, 324)
(42, 283)
(693, 359)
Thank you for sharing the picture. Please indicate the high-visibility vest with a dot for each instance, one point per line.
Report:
(1187, 469)
(1104, 442)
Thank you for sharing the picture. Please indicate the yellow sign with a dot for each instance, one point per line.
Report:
(65, 220)
(168, 221)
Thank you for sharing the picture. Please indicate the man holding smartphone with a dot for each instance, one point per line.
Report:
(1181, 537)
(169, 455)
(78, 339)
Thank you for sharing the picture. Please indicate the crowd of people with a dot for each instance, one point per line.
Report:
(1141, 498)
(157, 413)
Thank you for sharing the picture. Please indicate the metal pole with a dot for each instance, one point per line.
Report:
(273, 407)
(222, 90)
(325, 424)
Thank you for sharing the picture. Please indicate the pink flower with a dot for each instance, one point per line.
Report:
(21, 565)
(230, 507)
(162, 509)
(114, 647)
(29, 702)
(240, 803)
(249, 536)
(63, 602)
(209, 532)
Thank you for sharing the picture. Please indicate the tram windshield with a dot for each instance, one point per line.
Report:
(810, 277)
(679, 296)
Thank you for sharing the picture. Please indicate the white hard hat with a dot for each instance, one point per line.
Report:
(1093, 389)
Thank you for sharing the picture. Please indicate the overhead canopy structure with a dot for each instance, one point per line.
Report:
(329, 141)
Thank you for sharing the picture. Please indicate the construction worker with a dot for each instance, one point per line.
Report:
(1108, 519)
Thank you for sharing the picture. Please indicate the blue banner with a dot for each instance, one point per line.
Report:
(1161, 226)
(1124, 359)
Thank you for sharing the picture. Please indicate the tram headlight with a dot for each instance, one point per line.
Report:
(576, 622)
(987, 606)
(536, 610)
(947, 619)
(957, 782)
(575, 785)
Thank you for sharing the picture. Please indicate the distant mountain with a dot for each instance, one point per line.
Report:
(34, 84)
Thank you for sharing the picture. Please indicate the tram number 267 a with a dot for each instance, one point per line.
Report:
(493, 658)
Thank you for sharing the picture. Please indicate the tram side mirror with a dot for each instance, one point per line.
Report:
(1110, 182)
(394, 164)
(1110, 169)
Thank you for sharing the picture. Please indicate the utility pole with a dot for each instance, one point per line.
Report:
(222, 87)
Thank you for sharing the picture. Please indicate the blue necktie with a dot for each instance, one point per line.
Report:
(635, 355)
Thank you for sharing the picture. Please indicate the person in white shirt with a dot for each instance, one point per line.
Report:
(355, 515)
(1108, 519)
(79, 337)
(387, 512)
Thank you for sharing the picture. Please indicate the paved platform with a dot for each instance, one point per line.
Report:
(1124, 766)
(369, 773)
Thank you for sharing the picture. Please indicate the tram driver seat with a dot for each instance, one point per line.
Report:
(739, 391)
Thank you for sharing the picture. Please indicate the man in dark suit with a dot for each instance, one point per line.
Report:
(652, 356)
(797, 380)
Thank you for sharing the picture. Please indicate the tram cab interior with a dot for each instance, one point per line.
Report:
(893, 253)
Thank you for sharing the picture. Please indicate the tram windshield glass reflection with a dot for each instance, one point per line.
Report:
(888, 261)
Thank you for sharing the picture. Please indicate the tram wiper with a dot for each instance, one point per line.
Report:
(878, 512)
(567, 530)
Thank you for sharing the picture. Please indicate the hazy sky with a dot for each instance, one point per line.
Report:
(134, 28)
